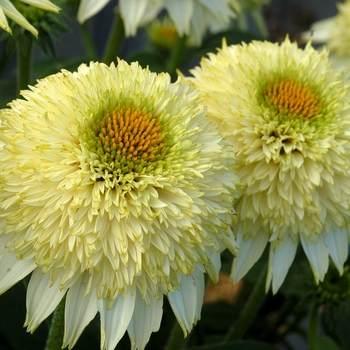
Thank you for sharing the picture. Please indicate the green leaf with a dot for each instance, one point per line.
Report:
(150, 59)
(237, 345)
(327, 343)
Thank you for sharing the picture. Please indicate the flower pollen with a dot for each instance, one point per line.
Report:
(128, 139)
(291, 99)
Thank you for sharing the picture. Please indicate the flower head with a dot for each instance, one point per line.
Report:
(286, 113)
(115, 189)
(7, 8)
(191, 17)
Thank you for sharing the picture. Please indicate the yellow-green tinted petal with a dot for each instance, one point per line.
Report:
(3, 22)
(43, 4)
(89, 8)
(11, 11)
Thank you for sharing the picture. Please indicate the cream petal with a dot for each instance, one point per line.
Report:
(180, 12)
(114, 321)
(152, 10)
(145, 320)
(11, 11)
(320, 31)
(3, 22)
(13, 270)
(134, 11)
(42, 298)
(337, 242)
(89, 8)
(214, 268)
(187, 301)
(43, 4)
(281, 257)
(248, 254)
(79, 310)
(317, 254)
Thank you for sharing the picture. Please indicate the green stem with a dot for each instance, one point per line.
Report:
(24, 60)
(115, 39)
(242, 22)
(55, 338)
(176, 339)
(313, 329)
(249, 310)
(259, 21)
(176, 55)
(89, 45)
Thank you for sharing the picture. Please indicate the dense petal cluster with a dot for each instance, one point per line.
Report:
(8, 9)
(191, 17)
(286, 113)
(115, 190)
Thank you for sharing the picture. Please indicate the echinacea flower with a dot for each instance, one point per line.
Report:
(335, 34)
(191, 17)
(286, 113)
(8, 9)
(115, 190)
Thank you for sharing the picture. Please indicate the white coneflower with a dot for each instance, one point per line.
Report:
(286, 113)
(115, 190)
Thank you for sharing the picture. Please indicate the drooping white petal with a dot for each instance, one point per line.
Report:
(317, 253)
(89, 8)
(214, 268)
(13, 270)
(280, 258)
(187, 301)
(11, 11)
(145, 320)
(337, 242)
(133, 12)
(3, 22)
(43, 4)
(320, 30)
(180, 12)
(79, 310)
(114, 321)
(248, 254)
(42, 298)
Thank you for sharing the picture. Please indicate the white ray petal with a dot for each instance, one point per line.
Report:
(13, 270)
(89, 8)
(248, 254)
(337, 242)
(43, 4)
(79, 311)
(10, 11)
(42, 298)
(187, 302)
(317, 254)
(114, 321)
(145, 320)
(214, 268)
(3, 22)
(180, 12)
(281, 257)
(134, 11)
